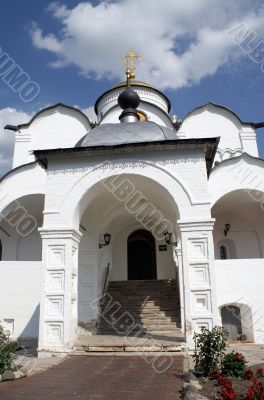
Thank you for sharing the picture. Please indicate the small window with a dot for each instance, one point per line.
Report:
(223, 253)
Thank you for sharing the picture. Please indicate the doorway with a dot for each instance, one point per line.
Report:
(141, 256)
(231, 321)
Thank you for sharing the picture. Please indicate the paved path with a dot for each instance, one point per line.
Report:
(100, 378)
(254, 353)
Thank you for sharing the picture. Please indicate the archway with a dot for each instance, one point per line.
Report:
(231, 321)
(101, 211)
(244, 215)
(141, 256)
(20, 238)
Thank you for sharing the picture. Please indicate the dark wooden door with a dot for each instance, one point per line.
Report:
(141, 256)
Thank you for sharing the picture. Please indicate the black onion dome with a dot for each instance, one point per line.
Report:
(128, 99)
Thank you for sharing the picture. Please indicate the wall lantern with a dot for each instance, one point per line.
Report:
(107, 239)
(227, 228)
(168, 239)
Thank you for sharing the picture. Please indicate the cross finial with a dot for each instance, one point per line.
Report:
(130, 60)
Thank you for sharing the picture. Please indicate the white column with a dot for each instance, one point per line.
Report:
(198, 276)
(59, 301)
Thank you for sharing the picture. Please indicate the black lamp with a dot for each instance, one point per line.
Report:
(107, 239)
(168, 238)
(227, 228)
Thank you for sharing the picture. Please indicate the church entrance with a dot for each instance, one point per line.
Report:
(141, 255)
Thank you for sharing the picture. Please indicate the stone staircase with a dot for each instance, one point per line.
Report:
(140, 308)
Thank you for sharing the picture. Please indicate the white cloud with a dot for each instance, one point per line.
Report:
(12, 117)
(182, 41)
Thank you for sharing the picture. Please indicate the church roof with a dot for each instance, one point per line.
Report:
(124, 133)
(210, 104)
(54, 107)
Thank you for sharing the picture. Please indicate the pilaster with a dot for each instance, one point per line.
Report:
(198, 277)
(59, 302)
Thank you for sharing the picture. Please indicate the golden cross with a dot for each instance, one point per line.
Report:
(130, 60)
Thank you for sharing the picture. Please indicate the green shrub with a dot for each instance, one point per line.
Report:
(210, 348)
(7, 350)
(234, 364)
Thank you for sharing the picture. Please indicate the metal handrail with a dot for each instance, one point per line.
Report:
(105, 281)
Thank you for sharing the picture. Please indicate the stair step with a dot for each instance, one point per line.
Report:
(143, 333)
(148, 307)
(146, 323)
(140, 308)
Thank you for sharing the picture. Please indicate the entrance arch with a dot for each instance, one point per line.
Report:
(141, 256)
(231, 321)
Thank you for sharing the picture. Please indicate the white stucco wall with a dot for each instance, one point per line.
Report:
(184, 178)
(20, 297)
(237, 192)
(212, 120)
(57, 127)
(243, 234)
(240, 282)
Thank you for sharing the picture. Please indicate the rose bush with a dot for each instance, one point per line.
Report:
(234, 364)
(7, 350)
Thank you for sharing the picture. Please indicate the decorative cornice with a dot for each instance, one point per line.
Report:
(209, 146)
(22, 137)
(196, 225)
(60, 233)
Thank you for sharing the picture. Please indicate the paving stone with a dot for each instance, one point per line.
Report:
(104, 378)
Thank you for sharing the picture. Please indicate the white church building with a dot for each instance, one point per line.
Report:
(135, 197)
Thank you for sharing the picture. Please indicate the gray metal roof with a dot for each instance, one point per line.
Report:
(124, 133)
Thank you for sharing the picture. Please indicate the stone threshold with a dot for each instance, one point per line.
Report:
(127, 349)
(128, 353)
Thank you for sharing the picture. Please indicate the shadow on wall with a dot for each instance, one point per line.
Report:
(29, 335)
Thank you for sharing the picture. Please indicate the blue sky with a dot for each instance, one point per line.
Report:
(73, 51)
